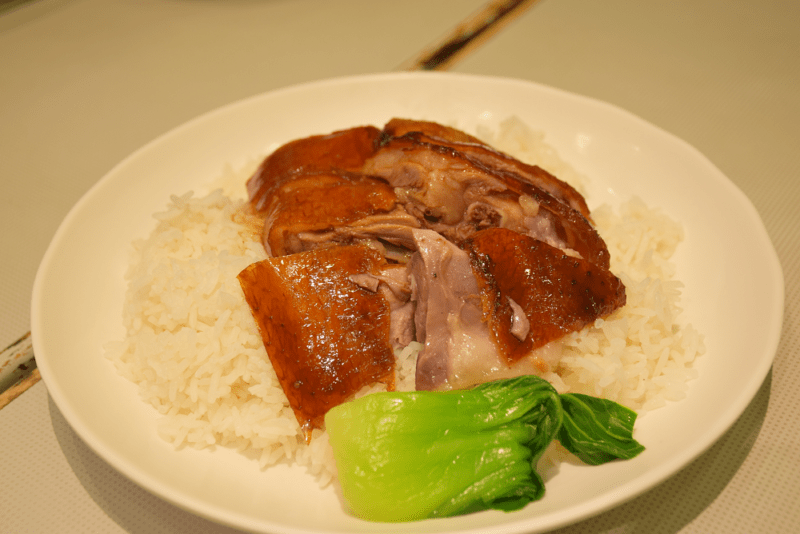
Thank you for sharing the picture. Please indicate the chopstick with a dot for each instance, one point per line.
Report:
(18, 371)
(469, 34)
(19, 388)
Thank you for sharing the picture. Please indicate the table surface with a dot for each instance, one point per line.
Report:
(83, 83)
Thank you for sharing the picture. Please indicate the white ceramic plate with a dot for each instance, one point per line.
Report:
(733, 295)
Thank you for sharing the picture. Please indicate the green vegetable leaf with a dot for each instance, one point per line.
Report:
(415, 455)
(597, 430)
(409, 456)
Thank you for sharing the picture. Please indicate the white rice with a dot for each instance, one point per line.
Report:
(194, 350)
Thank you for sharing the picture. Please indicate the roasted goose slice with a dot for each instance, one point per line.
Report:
(456, 196)
(557, 294)
(457, 346)
(325, 334)
(495, 308)
(458, 350)
(478, 151)
(344, 150)
(310, 210)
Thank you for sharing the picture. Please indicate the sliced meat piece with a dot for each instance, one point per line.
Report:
(394, 283)
(388, 232)
(457, 196)
(321, 202)
(482, 319)
(477, 150)
(344, 150)
(533, 174)
(559, 294)
(434, 185)
(325, 335)
(457, 346)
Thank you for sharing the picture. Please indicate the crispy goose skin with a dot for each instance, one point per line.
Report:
(479, 151)
(325, 335)
(398, 127)
(344, 150)
(558, 294)
(322, 202)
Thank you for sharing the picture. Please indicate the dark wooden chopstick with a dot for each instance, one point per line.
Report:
(466, 36)
(18, 370)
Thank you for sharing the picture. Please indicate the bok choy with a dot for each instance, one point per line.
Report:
(414, 455)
